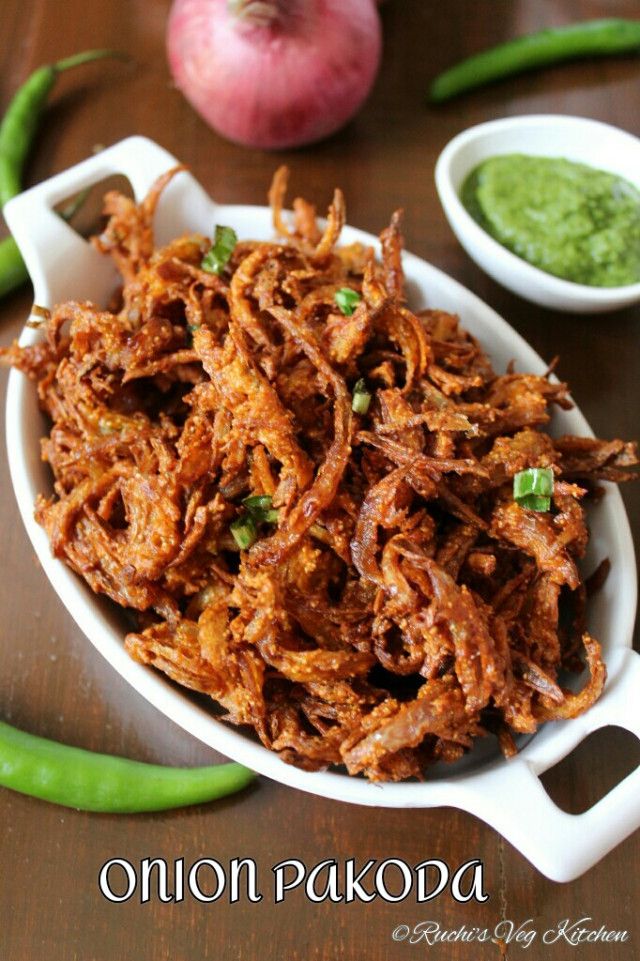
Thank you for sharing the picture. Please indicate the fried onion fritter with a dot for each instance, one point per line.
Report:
(396, 603)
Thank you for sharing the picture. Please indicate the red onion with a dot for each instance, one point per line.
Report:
(274, 74)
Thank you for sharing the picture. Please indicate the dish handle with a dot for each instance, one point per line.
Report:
(511, 798)
(61, 263)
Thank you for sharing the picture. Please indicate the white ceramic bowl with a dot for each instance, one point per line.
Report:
(548, 135)
(508, 795)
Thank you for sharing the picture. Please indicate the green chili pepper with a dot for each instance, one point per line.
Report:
(100, 782)
(592, 38)
(17, 131)
(13, 270)
(20, 122)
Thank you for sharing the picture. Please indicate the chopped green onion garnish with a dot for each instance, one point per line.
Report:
(224, 240)
(244, 531)
(532, 488)
(257, 503)
(361, 398)
(259, 511)
(535, 502)
(259, 506)
(534, 480)
(347, 300)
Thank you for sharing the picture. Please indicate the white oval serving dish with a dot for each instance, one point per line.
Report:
(507, 795)
(547, 135)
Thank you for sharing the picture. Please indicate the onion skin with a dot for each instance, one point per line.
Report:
(274, 85)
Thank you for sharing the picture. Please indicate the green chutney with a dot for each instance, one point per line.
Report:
(566, 218)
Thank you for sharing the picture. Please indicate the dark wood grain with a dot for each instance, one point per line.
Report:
(53, 682)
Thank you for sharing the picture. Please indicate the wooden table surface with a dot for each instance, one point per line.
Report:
(54, 683)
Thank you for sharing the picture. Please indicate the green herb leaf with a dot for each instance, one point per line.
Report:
(347, 300)
(244, 531)
(361, 397)
(224, 240)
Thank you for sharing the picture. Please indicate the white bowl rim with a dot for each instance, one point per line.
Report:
(449, 197)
